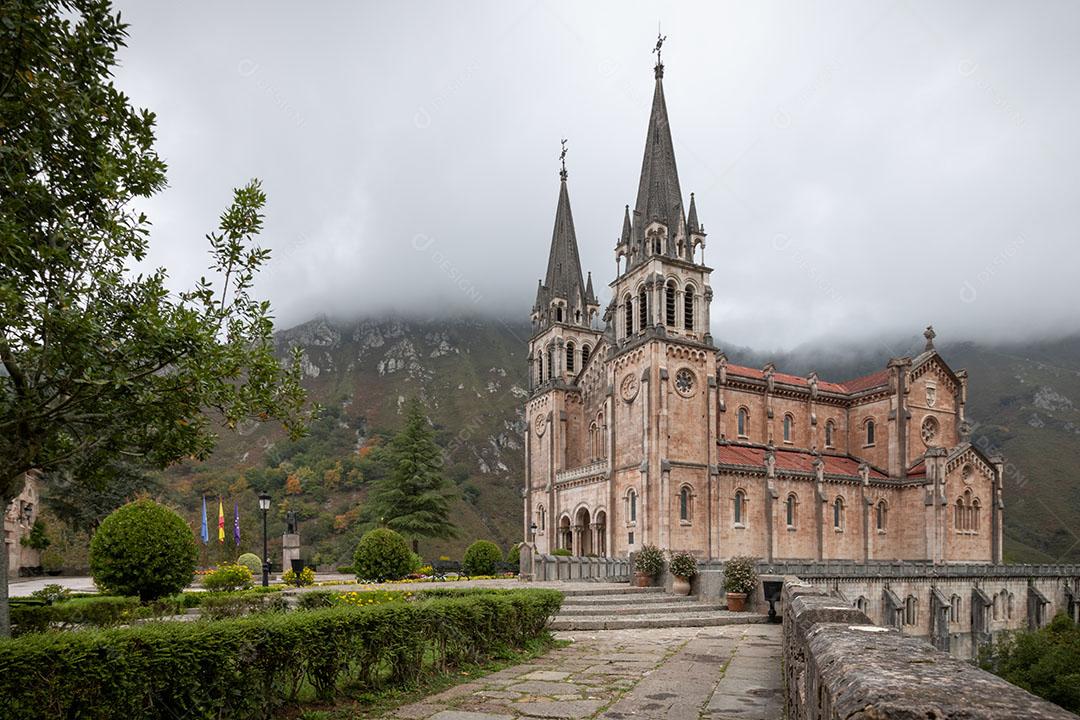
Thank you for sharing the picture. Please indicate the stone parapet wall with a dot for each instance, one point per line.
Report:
(839, 570)
(596, 569)
(838, 664)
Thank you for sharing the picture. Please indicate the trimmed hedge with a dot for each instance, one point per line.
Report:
(94, 611)
(246, 668)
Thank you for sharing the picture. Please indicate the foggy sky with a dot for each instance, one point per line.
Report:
(860, 167)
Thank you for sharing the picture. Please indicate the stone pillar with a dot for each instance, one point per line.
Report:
(997, 511)
(577, 540)
(290, 550)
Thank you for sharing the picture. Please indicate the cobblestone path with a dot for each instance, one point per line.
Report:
(715, 673)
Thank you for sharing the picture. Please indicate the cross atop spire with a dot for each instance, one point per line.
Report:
(659, 44)
(929, 334)
(562, 159)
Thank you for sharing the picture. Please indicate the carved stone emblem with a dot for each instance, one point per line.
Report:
(540, 424)
(628, 388)
(684, 382)
(931, 395)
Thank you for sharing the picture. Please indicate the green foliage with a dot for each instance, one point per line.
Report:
(218, 606)
(228, 577)
(1045, 662)
(481, 558)
(316, 599)
(52, 561)
(683, 565)
(561, 552)
(649, 560)
(82, 498)
(346, 569)
(103, 611)
(143, 549)
(382, 554)
(52, 593)
(513, 555)
(304, 578)
(251, 667)
(252, 562)
(740, 574)
(38, 539)
(100, 361)
(414, 498)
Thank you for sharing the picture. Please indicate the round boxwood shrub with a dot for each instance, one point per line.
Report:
(382, 554)
(228, 577)
(481, 558)
(252, 562)
(143, 549)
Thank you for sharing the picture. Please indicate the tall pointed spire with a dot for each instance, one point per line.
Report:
(692, 224)
(659, 195)
(563, 280)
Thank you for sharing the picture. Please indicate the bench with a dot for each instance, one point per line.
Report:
(441, 568)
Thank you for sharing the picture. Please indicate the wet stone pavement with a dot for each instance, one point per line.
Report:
(712, 673)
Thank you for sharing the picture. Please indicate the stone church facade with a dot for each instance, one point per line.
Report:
(641, 432)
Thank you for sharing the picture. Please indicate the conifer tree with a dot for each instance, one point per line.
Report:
(414, 496)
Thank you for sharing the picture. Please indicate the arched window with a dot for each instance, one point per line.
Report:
(882, 516)
(789, 510)
(954, 609)
(684, 504)
(688, 308)
(860, 604)
(744, 421)
(643, 309)
(669, 303)
(869, 432)
(558, 313)
(911, 610)
(838, 513)
(740, 507)
(585, 350)
(658, 244)
(540, 367)
(974, 516)
(551, 363)
(570, 357)
(631, 505)
(592, 441)
(541, 518)
(628, 316)
(789, 423)
(960, 515)
(830, 428)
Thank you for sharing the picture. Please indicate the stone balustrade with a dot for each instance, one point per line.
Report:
(600, 467)
(596, 569)
(838, 664)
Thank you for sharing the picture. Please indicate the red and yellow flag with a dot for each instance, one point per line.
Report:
(220, 521)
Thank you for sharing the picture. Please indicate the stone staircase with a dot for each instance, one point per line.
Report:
(631, 607)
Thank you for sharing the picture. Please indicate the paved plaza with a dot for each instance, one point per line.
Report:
(712, 673)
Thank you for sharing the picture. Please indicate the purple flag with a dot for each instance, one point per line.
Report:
(236, 524)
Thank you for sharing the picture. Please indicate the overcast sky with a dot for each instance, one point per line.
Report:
(861, 167)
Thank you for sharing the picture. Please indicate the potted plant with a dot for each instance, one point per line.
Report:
(683, 566)
(648, 563)
(740, 579)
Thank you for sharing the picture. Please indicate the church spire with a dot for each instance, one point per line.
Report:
(563, 286)
(692, 224)
(659, 195)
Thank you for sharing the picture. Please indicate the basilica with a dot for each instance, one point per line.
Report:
(641, 432)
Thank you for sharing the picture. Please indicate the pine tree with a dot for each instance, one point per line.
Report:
(414, 496)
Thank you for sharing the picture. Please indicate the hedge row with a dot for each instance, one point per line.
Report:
(245, 668)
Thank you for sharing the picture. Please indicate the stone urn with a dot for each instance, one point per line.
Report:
(680, 586)
(642, 579)
(736, 602)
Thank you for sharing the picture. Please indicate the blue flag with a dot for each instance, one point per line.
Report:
(236, 523)
(205, 530)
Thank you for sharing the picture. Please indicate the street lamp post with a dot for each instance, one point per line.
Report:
(264, 505)
(532, 533)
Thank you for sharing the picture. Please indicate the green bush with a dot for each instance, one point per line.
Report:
(251, 667)
(218, 606)
(346, 569)
(683, 565)
(143, 549)
(1044, 661)
(740, 574)
(52, 593)
(252, 562)
(481, 558)
(561, 552)
(381, 555)
(227, 577)
(303, 579)
(316, 599)
(513, 555)
(100, 611)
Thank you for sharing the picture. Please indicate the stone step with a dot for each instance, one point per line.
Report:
(598, 601)
(676, 608)
(587, 591)
(668, 620)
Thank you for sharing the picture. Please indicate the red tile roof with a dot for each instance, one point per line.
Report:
(797, 460)
(851, 386)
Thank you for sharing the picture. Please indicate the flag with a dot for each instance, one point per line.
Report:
(220, 521)
(205, 530)
(236, 523)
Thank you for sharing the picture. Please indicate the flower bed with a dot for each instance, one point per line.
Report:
(247, 667)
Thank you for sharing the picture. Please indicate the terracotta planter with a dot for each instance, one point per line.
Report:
(642, 579)
(736, 602)
(681, 586)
